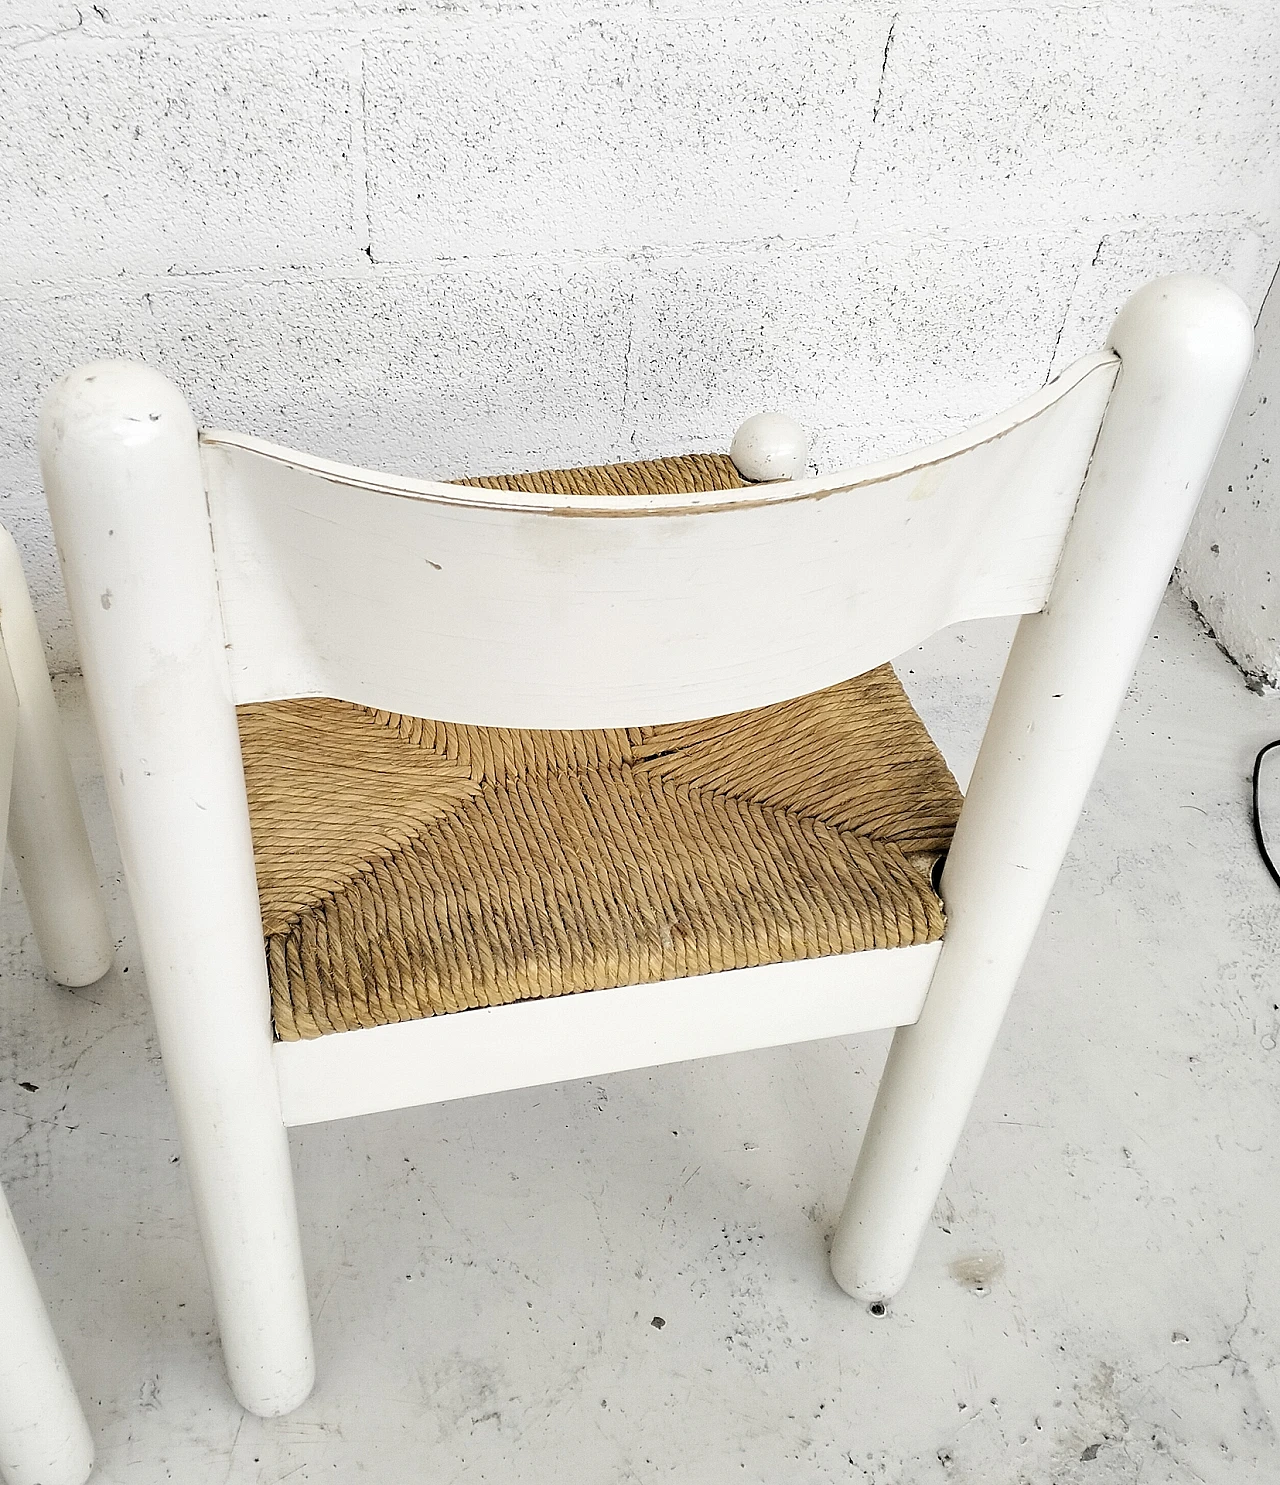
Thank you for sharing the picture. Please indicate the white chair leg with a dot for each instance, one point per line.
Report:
(46, 829)
(44, 1439)
(926, 1092)
(121, 466)
(1185, 346)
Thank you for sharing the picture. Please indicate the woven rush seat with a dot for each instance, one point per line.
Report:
(410, 868)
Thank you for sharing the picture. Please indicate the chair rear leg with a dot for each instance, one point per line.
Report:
(122, 471)
(44, 1439)
(235, 1149)
(926, 1092)
(46, 829)
(1185, 344)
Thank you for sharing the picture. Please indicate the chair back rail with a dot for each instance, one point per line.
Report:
(470, 605)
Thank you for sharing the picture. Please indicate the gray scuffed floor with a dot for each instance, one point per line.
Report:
(625, 1280)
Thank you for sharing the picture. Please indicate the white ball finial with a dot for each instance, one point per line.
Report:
(770, 446)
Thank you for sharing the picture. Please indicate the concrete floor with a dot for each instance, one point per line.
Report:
(626, 1280)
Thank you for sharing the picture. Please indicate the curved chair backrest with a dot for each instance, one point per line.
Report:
(482, 606)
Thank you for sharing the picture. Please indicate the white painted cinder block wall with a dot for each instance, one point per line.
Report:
(1230, 565)
(451, 236)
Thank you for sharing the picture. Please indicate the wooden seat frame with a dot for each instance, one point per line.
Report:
(209, 570)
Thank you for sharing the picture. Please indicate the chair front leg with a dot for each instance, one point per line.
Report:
(46, 829)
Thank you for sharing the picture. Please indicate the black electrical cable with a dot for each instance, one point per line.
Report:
(1257, 819)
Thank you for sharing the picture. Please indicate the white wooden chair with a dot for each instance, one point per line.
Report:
(44, 1439)
(211, 570)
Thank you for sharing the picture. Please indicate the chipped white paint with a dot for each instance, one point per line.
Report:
(215, 1027)
(486, 235)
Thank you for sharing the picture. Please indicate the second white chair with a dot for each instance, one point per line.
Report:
(44, 1439)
